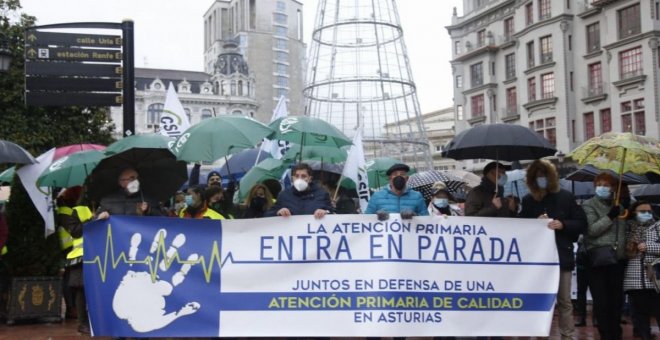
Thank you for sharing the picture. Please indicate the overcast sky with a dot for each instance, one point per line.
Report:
(169, 34)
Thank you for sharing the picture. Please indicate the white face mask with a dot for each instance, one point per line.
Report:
(133, 186)
(300, 184)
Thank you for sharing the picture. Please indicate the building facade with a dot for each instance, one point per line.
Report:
(269, 36)
(568, 69)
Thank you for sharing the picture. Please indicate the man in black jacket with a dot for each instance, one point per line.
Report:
(303, 198)
(547, 200)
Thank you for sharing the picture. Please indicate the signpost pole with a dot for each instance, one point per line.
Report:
(128, 78)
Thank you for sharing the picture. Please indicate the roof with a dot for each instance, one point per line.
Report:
(145, 76)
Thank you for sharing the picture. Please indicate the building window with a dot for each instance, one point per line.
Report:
(459, 112)
(508, 29)
(595, 79)
(547, 85)
(481, 38)
(544, 9)
(233, 87)
(629, 21)
(633, 109)
(281, 93)
(546, 49)
(237, 112)
(531, 89)
(280, 31)
(545, 127)
(206, 114)
(281, 68)
(280, 6)
(281, 56)
(510, 65)
(281, 44)
(477, 106)
(282, 81)
(589, 130)
(187, 111)
(457, 47)
(476, 75)
(153, 113)
(593, 37)
(279, 18)
(630, 63)
(530, 54)
(511, 101)
(459, 82)
(605, 120)
(529, 14)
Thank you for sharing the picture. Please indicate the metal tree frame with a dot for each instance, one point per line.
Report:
(359, 75)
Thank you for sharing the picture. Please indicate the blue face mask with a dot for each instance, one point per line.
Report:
(603, 192)
(441, 202)
(189, 200)
(542, 182)
(643, 217)
(502, 180)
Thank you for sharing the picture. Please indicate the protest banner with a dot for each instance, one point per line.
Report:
(342, 275)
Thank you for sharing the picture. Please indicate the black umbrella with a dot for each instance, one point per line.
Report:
(589, 172)
(14, 153)
(649, 192)
(161, 175)
(506, 142)
(423, 182)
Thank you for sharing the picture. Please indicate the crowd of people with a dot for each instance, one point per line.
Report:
(632, 239)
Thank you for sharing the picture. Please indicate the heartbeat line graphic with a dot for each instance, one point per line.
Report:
(110, 258)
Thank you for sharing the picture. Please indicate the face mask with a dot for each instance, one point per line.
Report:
(643, 217)
(179, 206)
(300, 184)
(399, 182)
(542, 182)
(189, 200)
(133, 187)
(603, 192)
(502, 180)
(258, 202)
(441, 202)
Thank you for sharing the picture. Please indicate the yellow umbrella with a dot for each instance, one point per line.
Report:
(620, 152)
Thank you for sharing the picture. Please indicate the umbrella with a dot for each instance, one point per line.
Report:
(269, 168)
(239, 163)
(214, 138)
(581, 190)
(376, 169)
(649, 192)
(515, 183)
(161, 175)
(70, 170)
(467, 177)
(589, 172)
(13, 153)
(325, 154)
(7, 176)
(620, 152)
(308, 131)
(73, 148)
(423, 182)
(507, 142)
(141, 141)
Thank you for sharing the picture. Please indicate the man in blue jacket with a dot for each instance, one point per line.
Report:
(397, 198)
(303, 198)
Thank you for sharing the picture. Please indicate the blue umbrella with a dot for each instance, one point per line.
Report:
(240, 163)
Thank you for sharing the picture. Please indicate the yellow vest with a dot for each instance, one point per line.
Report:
(66, 240)
(209, 213)
(4, 250)
(84, 215)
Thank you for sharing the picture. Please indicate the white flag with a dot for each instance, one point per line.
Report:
(40, 196)
(355, 168)
(173, 120)
(277, 148)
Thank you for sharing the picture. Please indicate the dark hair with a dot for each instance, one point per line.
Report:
(200, 190)
(302, 166)
(638, 203)
(212, 191)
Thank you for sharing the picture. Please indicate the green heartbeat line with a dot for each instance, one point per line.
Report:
(161, 252)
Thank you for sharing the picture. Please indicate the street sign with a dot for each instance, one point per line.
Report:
(48, 68)
(72, 54)
(38, 38)
(73, 99)
(72, 84)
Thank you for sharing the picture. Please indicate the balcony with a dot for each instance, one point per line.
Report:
(509, 114)
(594, 93)
(546, 58)
(506, 40)
(602, 3)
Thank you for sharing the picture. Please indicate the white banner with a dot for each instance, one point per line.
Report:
(355, 168)
(173, 119)
(40, 196)
(277, 148)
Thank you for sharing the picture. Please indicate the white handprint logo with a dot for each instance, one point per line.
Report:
(141, 300)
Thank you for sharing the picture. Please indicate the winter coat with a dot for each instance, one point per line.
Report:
(560, 206)
(479, 201)
(601, 230)
(386, 199)
(635, 276)
(121, 204)
(302, 202)
(450, 210)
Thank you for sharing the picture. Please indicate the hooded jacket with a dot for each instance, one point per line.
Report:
(302, 202)
(558, 204)
(479, 201)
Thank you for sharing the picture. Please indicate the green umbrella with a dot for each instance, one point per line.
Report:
(7, 176)
(325, 154)
(141, 141)
(269, 168)
(214, 138)
(308, 131)
(377, 168)
(70, 170)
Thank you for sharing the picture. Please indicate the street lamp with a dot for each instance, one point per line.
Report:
(560, 159)
(5, 54)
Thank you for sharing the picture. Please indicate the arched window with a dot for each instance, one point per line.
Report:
(216, 87)
(153, 113)
(248, 88)
(222, 88)
(237, 112)
(188, 114)
(206, 114)
(233, 87)
(240, 87)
